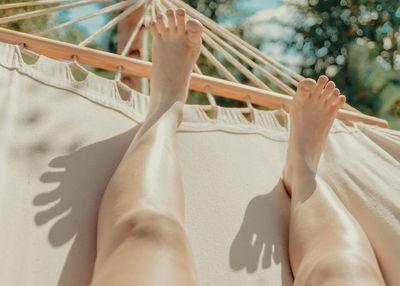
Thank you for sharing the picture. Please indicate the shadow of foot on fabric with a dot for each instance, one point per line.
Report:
(82, 176)
(263, 235)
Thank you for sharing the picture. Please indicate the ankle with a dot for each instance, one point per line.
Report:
(297, 174)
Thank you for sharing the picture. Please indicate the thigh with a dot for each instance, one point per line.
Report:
(327, 244)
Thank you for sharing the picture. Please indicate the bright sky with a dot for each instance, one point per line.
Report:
(90, 25)
(256, 5)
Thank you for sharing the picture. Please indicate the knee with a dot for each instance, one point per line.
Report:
(156, 228)
(341, 269)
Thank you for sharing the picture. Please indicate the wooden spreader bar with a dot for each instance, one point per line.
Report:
(111, 62)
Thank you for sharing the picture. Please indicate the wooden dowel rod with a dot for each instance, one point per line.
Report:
(108, 61)
(117, 6)
(32, 3)
(111, 23)
(47, 11)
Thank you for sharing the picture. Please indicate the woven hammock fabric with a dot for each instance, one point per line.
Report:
(61, 140)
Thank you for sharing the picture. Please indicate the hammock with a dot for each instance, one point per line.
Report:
(61, 139)
(219, 41)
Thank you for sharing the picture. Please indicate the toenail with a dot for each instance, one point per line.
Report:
(323, 79)
(306, 88)
(180, 12)
(159, 16)
(169, 12)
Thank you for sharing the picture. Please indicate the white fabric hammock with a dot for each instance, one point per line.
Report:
(257, 67)
(60, 141)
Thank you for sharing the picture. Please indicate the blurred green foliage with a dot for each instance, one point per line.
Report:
(377, 89)
(31, 25)
(41, 23)
(215, 9)
(355, 42)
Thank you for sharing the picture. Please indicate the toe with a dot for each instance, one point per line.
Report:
(339, 101)
(171, 20)
(162, 28)
(181, 20)
(305, 88)
(194, 30)
(328, 90)
(322, 81)
(342, 100)
(154, 31)
(333, 96)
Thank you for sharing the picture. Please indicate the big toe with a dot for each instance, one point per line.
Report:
(305, 88)
(321, 82)
(194, 29)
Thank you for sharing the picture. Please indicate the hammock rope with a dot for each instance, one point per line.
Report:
(117, 6)
(111, 23)
(32, 3)
(270, 82)
(136, 30)
(48, 11)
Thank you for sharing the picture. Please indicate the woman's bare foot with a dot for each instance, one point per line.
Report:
(176, 48)
(312, 113)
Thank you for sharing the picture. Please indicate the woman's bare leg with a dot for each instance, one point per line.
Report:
(141, 240)
(326, 244)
